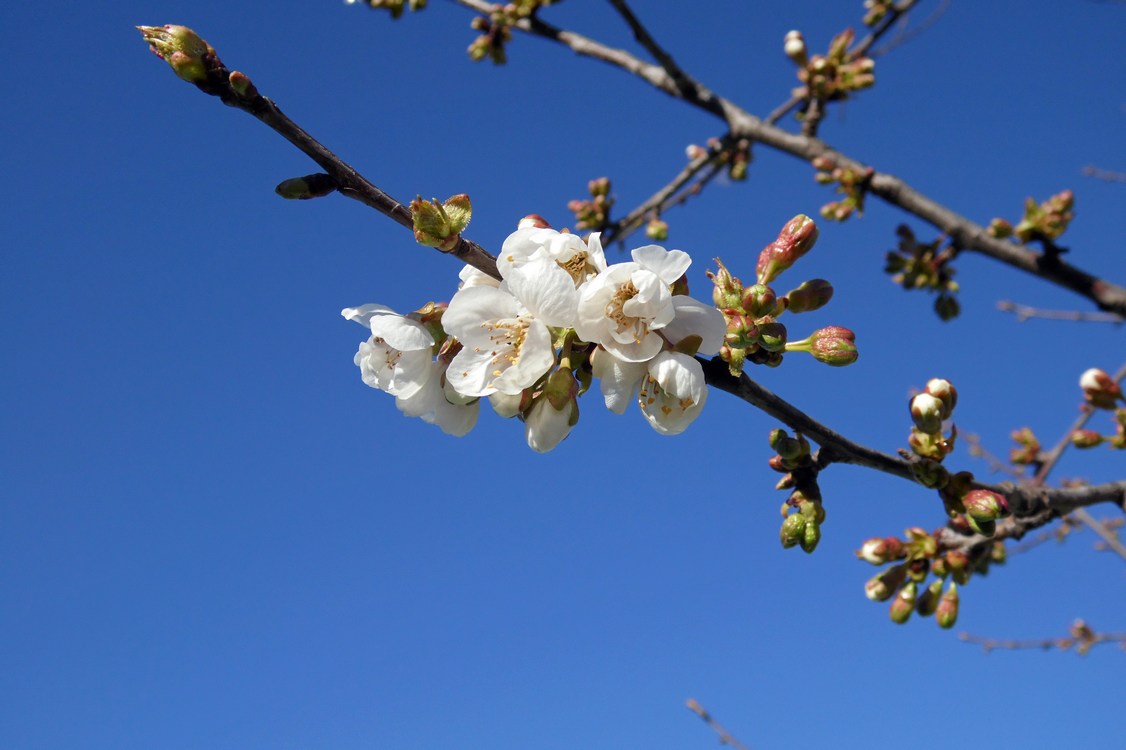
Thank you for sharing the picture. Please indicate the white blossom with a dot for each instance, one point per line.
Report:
(581, 260)
(397, 357)
(625, 306)
(672, 392)
(545, 426)
(439, 404)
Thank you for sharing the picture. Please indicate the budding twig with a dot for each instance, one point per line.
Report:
(725, 737)
(1023, 313)
(1080, 635)
(964, 234)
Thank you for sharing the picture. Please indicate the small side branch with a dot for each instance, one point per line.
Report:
(725, 737)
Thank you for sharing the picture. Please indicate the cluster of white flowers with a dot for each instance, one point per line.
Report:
(560, 315)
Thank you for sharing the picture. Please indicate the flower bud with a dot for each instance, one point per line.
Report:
(794, 46)
(811, 536)
(811, 295)
(772, 336)
(728, 291)
(926, 411)
(759, 300)
(947, 611)
(304, 188)
(533, 221)
(958, 563)
(657, 230)
(985, 505)
(883, 586)
(1099, 389)
(440, 224)
(1085, 438)
(834, 345)
(793, 530)
(928, 600)
(879, 551)
(794, 241)
(944, 391)
(918, 568)
(904, 603)
(182, 49)
(1000, 228)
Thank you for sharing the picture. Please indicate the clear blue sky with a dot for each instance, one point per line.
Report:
(213, 535)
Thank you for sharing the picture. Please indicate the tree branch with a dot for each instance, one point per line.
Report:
(964, 234)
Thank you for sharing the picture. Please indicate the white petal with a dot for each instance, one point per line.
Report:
(669, 265)
(401, 333)
(674, 392)
(545, 426)
(617, 379)
(694, 318)
(546, 290)
(470, 276)
(535, 357)
(473, 306)
(364, 313)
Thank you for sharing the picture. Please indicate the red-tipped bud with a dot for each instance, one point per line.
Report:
(794, 241)
(904, 603)
(879, 551)
(947, 611)
(811, 295)
(985, 505)
(1099, 389)
(759, 300)
(834, 346)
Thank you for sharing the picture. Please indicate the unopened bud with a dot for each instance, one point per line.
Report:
(811, 295)
(759, 300)
(772, 336)
(793, 530)
(882, 587)
(928, 600)
(926, 411)
(1085, 438)
(440, 224)
(183, 50)
(904, 603)
(985, 505)
(834, 345)
(947, 611)
(304, 188)
(879, 551)
(728, 291)
(533, 221)
(944, 391)
(1099, 389)
(794, 241)
(657, 230)
(794, 46)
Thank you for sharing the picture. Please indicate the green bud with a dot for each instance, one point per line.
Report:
(927, 604)
(793, 530)
(304, 188)
(904, 604)
(772, 336)
(985, 505)
(728, 291)
(811, 536)
(1085, 438)
(811, 295)
(440, 224)
(947, 610)
(183, 50)
(759, 300)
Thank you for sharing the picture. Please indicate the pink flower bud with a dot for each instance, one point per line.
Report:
(879, 551)
(904, 603)
(882, 587)
(794, 241)
(533, 221)
(834, 345)
(985, 505)
(811, 295)
(759, 300)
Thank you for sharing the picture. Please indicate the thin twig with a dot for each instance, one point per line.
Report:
(725, 737)
(1024, 312)
(1103, 174)
(910, 34)
(1052, 457)
(965, 234)
(996, 465)
(1110, 539)
(1080, 635)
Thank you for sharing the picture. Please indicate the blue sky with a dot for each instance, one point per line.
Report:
(214, 535)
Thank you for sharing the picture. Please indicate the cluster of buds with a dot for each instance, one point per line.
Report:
(972, 510)
(736, 154)
(395, 6)
(832, 76)
(918, 265)
(916, 557)
(753, 331)
(852, 183)
(440, 224)
(876, 11)
(929, 410)
(496, 28)
(1041, 221)
(802, 513)
(1101, 391)
(1027, 450)
(593, 213)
